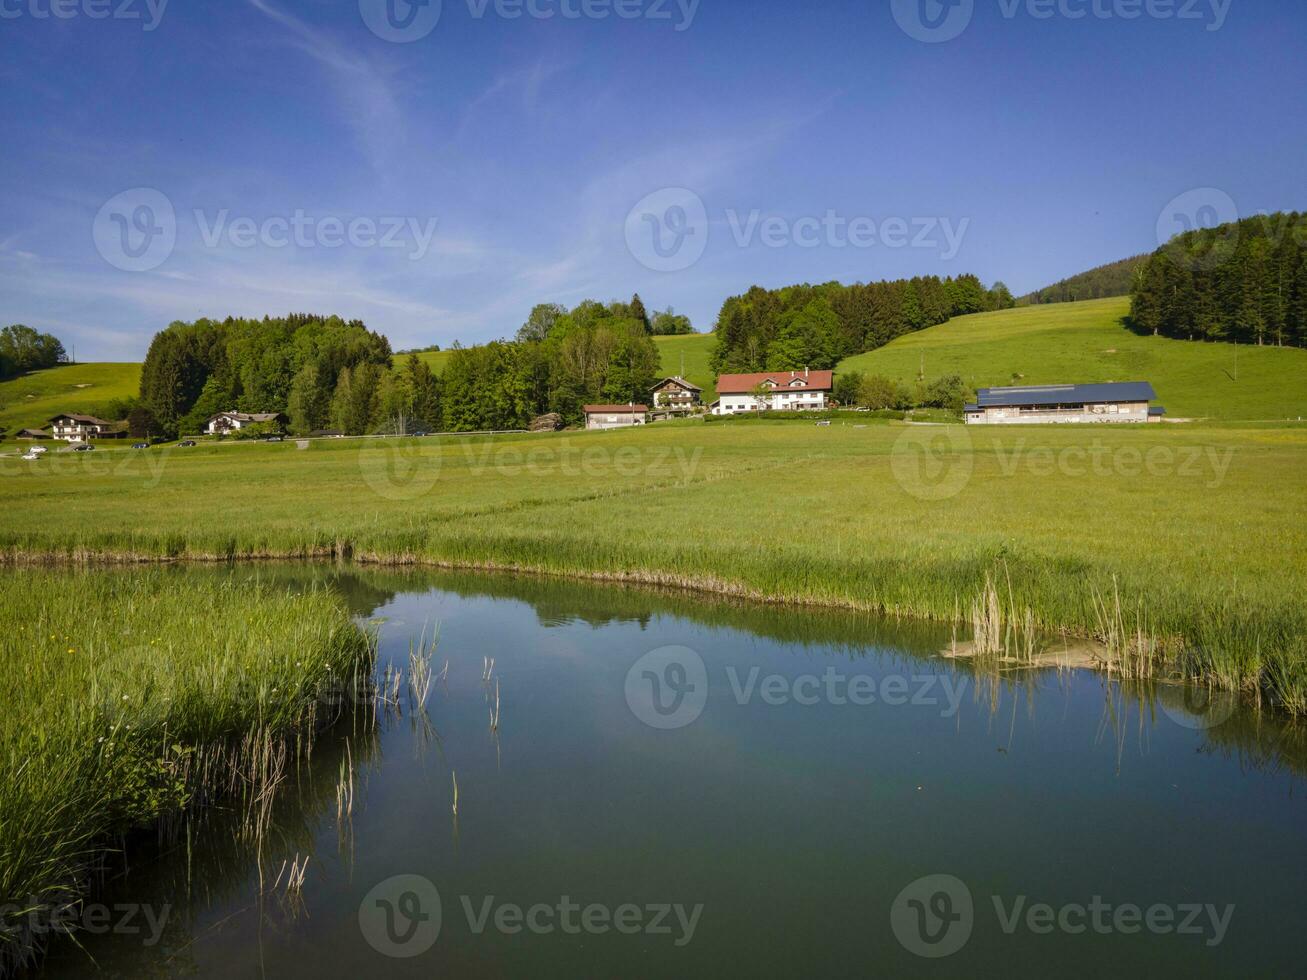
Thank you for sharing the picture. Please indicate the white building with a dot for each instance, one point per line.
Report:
(225, 422)
(72, 427)
(773, 391)
(1125, 401)
(615, 416)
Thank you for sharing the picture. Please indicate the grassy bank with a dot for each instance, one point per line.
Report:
(1197, 530)
(134, 697)
(1083, 342)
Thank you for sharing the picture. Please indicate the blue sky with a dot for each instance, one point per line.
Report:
(500, 158)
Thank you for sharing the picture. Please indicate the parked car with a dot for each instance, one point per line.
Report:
(85, 447)
(31, 455)
(419, 435)
(186, 443)
(140, 445)
(37, 451)
(275, 439)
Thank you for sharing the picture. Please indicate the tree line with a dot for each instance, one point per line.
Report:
(326, 373)
(1113, 279)
(817, 326)
(1243, 282)
(23, 349)
(559, 361)
(320, 371)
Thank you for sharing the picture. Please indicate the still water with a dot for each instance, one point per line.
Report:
(683, 787)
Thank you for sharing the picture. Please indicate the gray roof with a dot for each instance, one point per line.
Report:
(1115, 391)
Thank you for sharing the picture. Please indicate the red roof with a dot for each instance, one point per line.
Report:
(616, 409)
(742, 384)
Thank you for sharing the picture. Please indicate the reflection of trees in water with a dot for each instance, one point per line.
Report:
(211, 863)
(210, 860)
(1262, 739)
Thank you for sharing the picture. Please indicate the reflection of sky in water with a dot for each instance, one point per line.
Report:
(794, 825)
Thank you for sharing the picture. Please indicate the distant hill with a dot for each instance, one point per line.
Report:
(1086, 342)
(1113, 279)
(29, 401)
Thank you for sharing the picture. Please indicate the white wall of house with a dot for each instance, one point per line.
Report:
(1084, 415)
(607, 420)
(782, 399)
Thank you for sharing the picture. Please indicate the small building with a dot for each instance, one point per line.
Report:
(794, 391)
(1117, 401)
(224, 422)
(615, 416)
(32, 434)
(72, 427)
(676, 396)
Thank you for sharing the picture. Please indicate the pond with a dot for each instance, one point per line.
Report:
(679, 786)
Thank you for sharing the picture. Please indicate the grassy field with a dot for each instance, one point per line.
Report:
(134, 696)
(435, 359)
(1198, 529)
(694, 350)
(1084, 342)
(28, 402)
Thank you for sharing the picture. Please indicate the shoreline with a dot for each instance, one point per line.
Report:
(1089, 651)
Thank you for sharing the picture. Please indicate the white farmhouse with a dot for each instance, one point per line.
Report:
(225, 422)
(773, 391)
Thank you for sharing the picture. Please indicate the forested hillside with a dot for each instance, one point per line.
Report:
(1244, 282)
(318, 370)
(1113, 279)
(816, 326)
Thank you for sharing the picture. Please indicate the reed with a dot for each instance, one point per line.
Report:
(138, 696)
(1203, 548)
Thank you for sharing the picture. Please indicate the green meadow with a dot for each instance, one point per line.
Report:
(1085, 342)
(134, 697)
(29, 401)
(692, 351)
(1187, 537)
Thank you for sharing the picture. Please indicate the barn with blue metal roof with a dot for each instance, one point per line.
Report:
(1113, 401)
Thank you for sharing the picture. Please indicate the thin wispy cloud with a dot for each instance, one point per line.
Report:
(362, 88)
